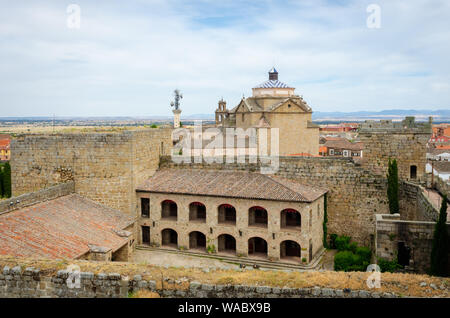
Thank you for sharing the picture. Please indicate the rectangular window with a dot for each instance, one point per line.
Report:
(331, 151)
(145, 207)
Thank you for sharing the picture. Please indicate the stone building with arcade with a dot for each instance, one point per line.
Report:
(234, 213)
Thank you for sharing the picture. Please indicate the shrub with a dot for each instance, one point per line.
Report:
(388, 266)
(365, 253)
(353, 246)
(6, 180)
(342, 243)
(153, 126)
(343, 260)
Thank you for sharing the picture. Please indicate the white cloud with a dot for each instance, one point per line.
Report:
(127, 57)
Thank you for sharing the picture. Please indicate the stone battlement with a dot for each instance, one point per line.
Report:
(408, 125)
(42, 195)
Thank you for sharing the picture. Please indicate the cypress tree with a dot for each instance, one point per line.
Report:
(439, 252)
(392, 190)
(7, 180)
(325, 221)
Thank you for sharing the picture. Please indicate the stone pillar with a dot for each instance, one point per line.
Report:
(176, 118)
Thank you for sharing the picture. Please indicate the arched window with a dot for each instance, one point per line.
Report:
(290, 218)
(169, 210)
(227, 214)
(169, 238)
(197, 212)
(257, 216)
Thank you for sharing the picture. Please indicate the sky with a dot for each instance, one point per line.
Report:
(127, 57)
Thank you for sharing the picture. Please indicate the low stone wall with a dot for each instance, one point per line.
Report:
(32, 283)
(415, 204)
(442, 186)
(31, 198)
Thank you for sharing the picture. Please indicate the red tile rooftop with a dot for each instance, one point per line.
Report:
(61, 228)
(234, 184)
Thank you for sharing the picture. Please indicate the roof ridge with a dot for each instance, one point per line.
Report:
(283, 185)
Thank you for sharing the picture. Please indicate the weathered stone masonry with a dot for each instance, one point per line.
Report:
(355, 194)
(417, 236)
(33, 283)
(106, 167)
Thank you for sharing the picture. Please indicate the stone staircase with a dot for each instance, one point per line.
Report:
(248, 262)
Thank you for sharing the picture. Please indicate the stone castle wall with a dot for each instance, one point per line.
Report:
(355, 194)
(106, 167)
(406, 142)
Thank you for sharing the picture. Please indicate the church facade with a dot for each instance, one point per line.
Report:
(274, 104)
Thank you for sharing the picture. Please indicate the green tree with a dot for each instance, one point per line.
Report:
(439, 252)
(6, 180)
(392, 190)
(325, 221)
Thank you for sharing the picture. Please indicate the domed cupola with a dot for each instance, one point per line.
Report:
(273, 87)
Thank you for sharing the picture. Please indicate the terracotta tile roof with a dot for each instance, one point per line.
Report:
(4, 143)
(60, 228)
(242, 184)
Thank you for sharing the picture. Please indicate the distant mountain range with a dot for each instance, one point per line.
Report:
(394, 114)
(442, 115)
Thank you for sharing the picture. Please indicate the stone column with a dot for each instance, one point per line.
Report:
(176, 118)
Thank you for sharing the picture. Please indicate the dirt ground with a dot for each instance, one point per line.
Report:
(159, 258)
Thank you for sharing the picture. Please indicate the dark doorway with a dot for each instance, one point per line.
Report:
(257, 245)
(290, 249)
(197, 240)
(404, 254)
(145, 235)
(227, 243)
(169, 238)
(413, 172)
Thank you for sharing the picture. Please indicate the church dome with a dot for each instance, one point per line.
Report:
(273, 81)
